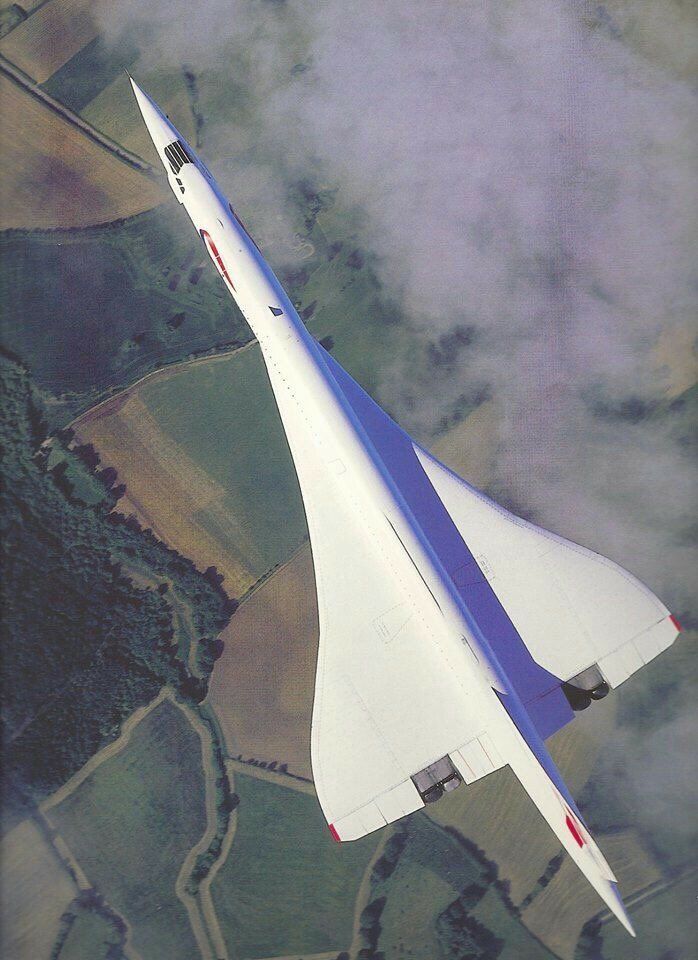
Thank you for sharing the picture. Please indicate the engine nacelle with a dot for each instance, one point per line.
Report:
(586, 686)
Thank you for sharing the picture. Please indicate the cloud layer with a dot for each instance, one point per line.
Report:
(526, 176)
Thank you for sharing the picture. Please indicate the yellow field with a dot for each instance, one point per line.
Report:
(56, 176)
(469, 448)
(50, 37)
(556, 916)
(115, 113)
(167, 491)
(35, 891)
(676, 357)
(262, 686)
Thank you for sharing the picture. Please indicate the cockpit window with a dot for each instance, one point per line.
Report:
(177, 155)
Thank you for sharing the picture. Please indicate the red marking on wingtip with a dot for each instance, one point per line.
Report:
(676, 623)
(335, 835)
(573, 830)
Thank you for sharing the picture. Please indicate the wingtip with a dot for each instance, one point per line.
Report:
(333, 831)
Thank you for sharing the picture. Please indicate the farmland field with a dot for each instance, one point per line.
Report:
(517, 940)
(269, 661)
(432, 872)
(559, 912)
(50, 37)
(167, 490)
(93, 68)
(131, 823)
(666, 924)
(156, 304)
(207, 409)
(54, 175)
(286, 887)
(34, 892)
(91, 936)
(496, 814)
(113, 109)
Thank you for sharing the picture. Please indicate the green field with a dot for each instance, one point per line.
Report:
(224, 416)
(421, 917)
(519, 943)
(131, 824)
(666, 926)
(90, 936)
(87, 73)
(286, 886)
(90, 310)
(431, 872)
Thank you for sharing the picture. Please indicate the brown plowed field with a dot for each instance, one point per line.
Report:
(262, 687)
(166, 490)
(54, 175)
(50, 37)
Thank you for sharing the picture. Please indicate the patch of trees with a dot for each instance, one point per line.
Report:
(226, 803)
(371, 929)
(307, 312)
(91, 901)
(10, 17)
(445, 351)
(355, 260)
(295, 279)
(462, 935)
(311, 202)
(590, 943)
(386, 863)
(552, 868)
(82, 645)
(273, 766)
(489, 871)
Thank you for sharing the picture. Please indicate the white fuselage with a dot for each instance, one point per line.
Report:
(337, 461)
(302, 383)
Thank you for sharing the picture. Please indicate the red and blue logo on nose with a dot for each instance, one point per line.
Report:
(216, 257)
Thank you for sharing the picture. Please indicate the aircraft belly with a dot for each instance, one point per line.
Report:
(395, 689)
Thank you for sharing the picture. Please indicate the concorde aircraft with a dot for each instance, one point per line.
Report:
(454, 636)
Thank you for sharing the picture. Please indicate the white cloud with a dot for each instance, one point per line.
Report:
(523, 174)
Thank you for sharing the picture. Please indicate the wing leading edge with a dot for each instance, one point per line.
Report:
(549, 607)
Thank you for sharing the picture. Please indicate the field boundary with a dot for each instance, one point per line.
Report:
(288, 780)
(67, 860)
(106, 753)
(363, 893)
(648, 893)
(34, 90)
(200, 909)
(207, 906)
(199, 906)
(121, 395)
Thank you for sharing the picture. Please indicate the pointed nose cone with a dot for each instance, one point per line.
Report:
(618, 907)
(159, 127)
